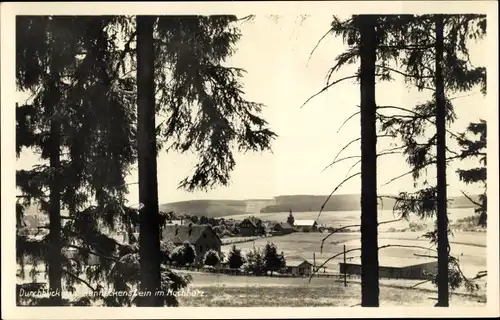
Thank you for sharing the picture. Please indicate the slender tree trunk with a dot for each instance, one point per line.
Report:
(369, 224)
(149, 236)
(442, 218)
(55, 259)
(55, 269)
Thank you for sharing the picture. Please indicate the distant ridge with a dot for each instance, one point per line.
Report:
(284, 203)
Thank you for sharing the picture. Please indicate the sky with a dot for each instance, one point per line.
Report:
(281, 73)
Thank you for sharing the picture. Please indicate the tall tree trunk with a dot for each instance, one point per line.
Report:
(55, 269)
(442, 218)
(149, 236)
(55, 259)
(369, 224)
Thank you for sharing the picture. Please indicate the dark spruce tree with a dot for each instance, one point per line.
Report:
(441, 64)
(409, 41)
(79, 58)
(367, 37)
(203, 109)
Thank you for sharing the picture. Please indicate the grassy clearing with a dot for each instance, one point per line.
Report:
(285, 292)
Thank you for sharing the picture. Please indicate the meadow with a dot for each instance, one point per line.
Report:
(241, 291)
(469, 247)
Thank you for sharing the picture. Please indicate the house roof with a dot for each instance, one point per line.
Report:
(296, 263)
(304, 223)
(252, 221)
(284, 225)
(180, 233)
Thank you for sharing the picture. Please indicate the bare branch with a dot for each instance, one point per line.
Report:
(326, 88)
(470, 199)
(351, 226)
(329, 259)
(317, 44)
(339, 160)
(406, 246)
(345, 147)
(355, 140)
(352, 167)
(420, 283)
(248, 17)
(402, 73)
(349, 118)
(400, 176)
(394, 149)
(388, 153)
(336, 188)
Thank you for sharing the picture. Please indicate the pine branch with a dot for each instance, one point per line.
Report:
(123, 54)
(421, 116)
(77, 278)
(408, 47)
(93, 252)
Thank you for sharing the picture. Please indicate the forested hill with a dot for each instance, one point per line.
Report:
(296, 203)
(217, 208)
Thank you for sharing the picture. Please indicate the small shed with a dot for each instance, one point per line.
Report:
(298, 267)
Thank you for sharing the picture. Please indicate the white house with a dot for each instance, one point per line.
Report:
(306, 225)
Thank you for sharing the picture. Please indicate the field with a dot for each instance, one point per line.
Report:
(469, 247)
(239, 291)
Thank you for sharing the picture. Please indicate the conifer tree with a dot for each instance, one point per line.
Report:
(438, 60)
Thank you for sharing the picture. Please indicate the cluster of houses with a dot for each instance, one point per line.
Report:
(205, 237)
(251, 227)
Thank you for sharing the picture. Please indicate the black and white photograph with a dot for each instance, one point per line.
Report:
(321, 156)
